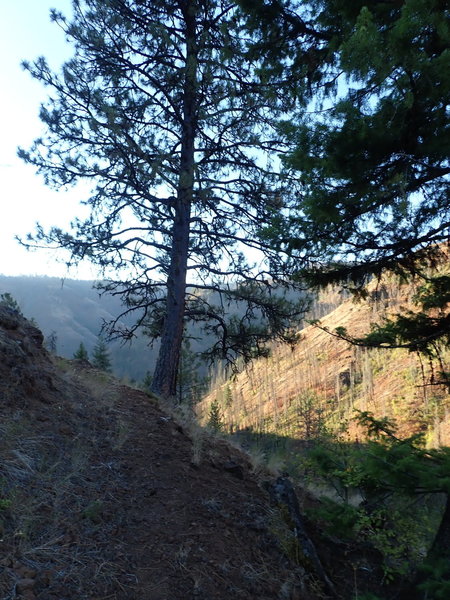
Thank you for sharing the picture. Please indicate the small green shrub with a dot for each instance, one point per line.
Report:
(388, 492)
(437, 580)
(94, 511)
(5, 503)
(215, 419)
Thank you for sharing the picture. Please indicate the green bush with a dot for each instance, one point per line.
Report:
(389, 493)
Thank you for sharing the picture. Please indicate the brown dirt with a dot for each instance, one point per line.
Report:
(105, 496)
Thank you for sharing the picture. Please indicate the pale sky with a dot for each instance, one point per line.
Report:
(26, 33)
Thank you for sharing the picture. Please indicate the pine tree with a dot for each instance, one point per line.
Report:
(215, 419)
(51, 341)
(147, 382)
(161, 109)
(8, 300)
(372, 152)
(372, 194)
(387, 469)
(228, 396)
(100, 356)
(81, 353)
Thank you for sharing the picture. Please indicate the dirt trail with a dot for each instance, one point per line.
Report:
(104, 496)
(189, 530)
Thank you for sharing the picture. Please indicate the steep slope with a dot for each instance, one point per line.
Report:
(75, 312)
(103, 495)
(322, 380)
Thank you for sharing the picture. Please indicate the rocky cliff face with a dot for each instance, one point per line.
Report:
(25, 375)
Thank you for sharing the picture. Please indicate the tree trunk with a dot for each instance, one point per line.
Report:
(166, 371)
(441, 545)
(438, 553)
(282, 493)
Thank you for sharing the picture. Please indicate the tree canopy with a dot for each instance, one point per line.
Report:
(391, 475)
(372, 135)
(372, 148)
(165, 114)
(371, 154)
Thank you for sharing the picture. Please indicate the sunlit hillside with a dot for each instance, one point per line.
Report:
(319, 383)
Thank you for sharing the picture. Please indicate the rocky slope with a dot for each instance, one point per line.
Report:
(105, 496)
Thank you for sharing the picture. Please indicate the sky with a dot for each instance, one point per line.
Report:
(26, 33)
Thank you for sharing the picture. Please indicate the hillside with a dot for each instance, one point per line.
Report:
(323, 379)
(104, 495)
(75, 311)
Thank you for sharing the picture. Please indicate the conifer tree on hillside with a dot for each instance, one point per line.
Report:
(389, 473)
(215, 419)
(164, 111)
(100, 356)
(51, 342)
(372, 150)
(8, 300)
(373, 165)
(81, 353)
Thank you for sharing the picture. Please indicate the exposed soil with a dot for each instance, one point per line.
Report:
(105, 496)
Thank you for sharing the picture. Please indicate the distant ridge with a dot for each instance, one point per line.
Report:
(75, 311)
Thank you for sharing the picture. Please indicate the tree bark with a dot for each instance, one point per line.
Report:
(441, 545)
(166, 371)
(282, 493)
(438, 552)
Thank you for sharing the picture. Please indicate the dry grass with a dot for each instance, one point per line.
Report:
(45, 488)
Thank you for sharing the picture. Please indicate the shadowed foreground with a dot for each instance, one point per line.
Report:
(104, 496)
